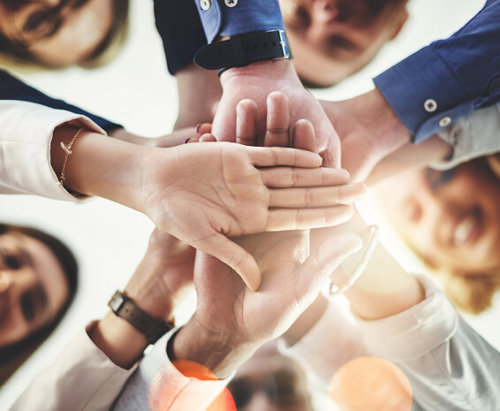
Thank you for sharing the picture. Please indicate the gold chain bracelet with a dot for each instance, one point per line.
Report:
(67, 150)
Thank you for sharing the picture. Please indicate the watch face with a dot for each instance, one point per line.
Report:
(116, 301)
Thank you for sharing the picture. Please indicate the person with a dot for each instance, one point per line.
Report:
(332, 39)
(426, 355)
(38, 282)
(47, 33)
(451, 219)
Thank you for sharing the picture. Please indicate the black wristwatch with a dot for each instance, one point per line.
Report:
(124, 307)
(243, 49)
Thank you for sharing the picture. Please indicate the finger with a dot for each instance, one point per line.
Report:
(235, 257)
(207, 137)
(325, 259)
(281, 156)
(246, 122)
(192, 140)
(316, 196)
(203, 128)
(303, 177)
(293, 219)
(303, 136)
(278, 121)
(331, 154)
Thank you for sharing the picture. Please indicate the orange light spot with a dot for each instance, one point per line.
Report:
(370, 383)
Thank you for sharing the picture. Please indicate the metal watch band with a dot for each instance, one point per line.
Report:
(243, 49)
(124, 307)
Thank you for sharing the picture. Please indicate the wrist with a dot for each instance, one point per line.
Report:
(390, 132)
(118, 340)
(106, 167)
(270, 70)
(216, 351)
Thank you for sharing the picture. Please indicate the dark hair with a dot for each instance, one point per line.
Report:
(102, 54)
(13, 355)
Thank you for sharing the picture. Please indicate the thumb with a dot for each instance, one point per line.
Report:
(325, 259)
(236, 257)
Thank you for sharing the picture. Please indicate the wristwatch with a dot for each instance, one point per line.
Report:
(243, 49)
(124, 307)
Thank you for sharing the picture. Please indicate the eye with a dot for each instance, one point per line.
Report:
(36, 21)
(303, 16)
(79, 3)
(341, 42)
(11, 260)
(437, 179)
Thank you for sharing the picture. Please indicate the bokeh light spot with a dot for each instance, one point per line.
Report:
(370, 383)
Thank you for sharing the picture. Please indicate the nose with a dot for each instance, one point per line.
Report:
(324, 11)
(259, 402)
(5, 281)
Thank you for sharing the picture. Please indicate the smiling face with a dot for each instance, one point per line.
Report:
(33, 286)
(453, 223)
(332, 39)
(58, 32)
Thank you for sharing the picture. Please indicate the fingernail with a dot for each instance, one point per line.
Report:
(198, 128)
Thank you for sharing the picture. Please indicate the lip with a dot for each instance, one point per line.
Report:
(467, 228)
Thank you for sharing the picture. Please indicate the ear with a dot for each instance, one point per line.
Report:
(403, 18)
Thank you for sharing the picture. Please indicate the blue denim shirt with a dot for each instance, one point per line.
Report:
(449, 78)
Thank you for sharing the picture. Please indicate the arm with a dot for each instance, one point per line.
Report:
(92, 369)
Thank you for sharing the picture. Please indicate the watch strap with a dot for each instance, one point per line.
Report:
(243, 49)
(124, 307)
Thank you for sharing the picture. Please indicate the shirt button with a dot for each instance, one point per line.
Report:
(231, 3)
(444, 121)
(430, 105)
(205, 4)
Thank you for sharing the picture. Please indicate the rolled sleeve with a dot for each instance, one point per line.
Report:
(448, 79)
(229, 17)
(26, 131)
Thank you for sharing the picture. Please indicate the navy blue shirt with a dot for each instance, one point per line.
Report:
(449, 78)
(12, 88)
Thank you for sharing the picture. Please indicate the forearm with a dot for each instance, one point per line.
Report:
(199, 91)
(384, 289)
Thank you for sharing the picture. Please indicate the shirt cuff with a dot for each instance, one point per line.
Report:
(424, 93)
(229, 17)
(471, 137)
(414, 332)
(26, 131)
(158, 384)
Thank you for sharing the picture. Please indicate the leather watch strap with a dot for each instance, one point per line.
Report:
(243, 49)
(124, 307)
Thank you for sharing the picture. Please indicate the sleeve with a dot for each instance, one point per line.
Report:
(81, 378)
(447, 363)
(12, 88)
(473, 136)
(228, 17)
(336, 328)
(186, 26)
(449, 78)
(26, 131)
(159, 385)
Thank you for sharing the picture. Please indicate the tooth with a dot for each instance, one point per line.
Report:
(463, 230)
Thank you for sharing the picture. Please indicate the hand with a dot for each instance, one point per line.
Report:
(231, 322)
(369, 130)
(255, 82)
(202, 193)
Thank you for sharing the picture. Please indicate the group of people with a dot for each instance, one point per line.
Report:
(254, 207)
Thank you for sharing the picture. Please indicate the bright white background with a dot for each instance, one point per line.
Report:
(137, 91)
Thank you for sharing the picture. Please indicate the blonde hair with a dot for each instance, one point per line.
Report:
(471, 293)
